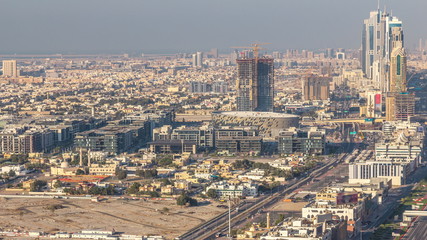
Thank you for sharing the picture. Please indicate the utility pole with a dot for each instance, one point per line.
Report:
(229, 217)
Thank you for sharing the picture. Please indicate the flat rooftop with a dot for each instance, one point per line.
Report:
(257, 114)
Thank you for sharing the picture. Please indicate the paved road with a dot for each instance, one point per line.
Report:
(418, 229)
(220, 223)
(209, 229)
(384, 211)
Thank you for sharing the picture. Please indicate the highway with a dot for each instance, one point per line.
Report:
(418, 229)
(385, 211)
(208, 229)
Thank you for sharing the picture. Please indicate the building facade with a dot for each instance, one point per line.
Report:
(308, 141)
(10, 68)
(377, 45)
(315, 87)
(255, 84)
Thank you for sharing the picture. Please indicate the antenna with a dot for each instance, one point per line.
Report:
(378, 5)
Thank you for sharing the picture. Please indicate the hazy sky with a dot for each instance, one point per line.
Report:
(83, 26)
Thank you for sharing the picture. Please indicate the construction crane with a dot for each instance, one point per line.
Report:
(255, 47)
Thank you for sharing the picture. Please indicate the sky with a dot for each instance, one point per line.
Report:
(171, 26)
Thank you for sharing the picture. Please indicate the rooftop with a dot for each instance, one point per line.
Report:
(257, 114)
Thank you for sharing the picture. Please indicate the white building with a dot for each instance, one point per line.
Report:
(19, 170)
(363, 172)
(307, 229)
(255, 174)
(226, 190)
(394, 159)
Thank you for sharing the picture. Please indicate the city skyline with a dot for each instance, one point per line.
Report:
(170, 27)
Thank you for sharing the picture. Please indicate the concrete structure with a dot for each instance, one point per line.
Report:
(203, 136)
(197, 60)
(199, 87)
(352, 213)
(321, 228)
(10, 68)
(377, 45)
(315, 87)
(373, 107)
(173, 146)
(26, 139)
(400, 106)
(308, 141)
(238, 139)
(255, 84)
(111, 139)
(227, 190)
(269, 124)
(398, 63)
(395, 159)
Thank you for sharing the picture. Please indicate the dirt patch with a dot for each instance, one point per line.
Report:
(132, 217)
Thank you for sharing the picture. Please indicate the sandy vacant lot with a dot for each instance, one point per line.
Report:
(131, 217)
(288, 207)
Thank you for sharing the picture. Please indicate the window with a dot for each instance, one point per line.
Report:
(398, 62)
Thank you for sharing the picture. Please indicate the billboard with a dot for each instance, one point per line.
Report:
(378, 102)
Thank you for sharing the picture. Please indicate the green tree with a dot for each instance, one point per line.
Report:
(11, 173)
(184, 199)
(80, 172)
(121, 174)
(110, 190)
(165, 161)
(243, 164)
(153, 194)
(57, 184)
(212, 193)
(166, 181)
(37, 185)
(280, 219)
(134, 188)
(147, 173)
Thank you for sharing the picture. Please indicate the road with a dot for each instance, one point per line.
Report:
(418, 229)
(383, 212)
(220, 223)
(209, 229)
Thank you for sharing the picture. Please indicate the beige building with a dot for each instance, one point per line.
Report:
(10, 68)
(315, 87)
(103, 169)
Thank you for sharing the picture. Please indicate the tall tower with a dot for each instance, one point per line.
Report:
(10, 69)
(315, 87)
(400, 105)
(398, 62)
(254, 84)
(377, 47)
(194, 60)
(199, 59)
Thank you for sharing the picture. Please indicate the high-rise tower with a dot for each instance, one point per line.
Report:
(400, 105)
(398, 63)
(197, 60)
(10, 69)
(254, 84)
(377, 40)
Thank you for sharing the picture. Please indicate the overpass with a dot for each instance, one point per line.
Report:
(411, 213)
(351, 120)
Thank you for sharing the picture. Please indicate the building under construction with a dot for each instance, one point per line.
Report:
(255, 91)
(400, 106)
